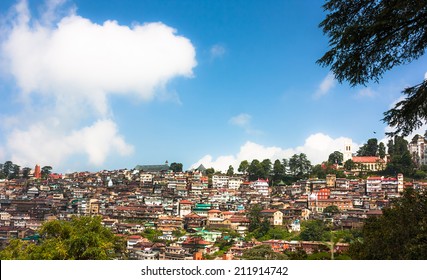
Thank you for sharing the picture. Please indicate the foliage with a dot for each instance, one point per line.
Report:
(230, 171)
(256, 170)
(278, 171)
(331, 209)
(280, 233)
(254, 216)
(400, 233)
(262, 252)
(314, 230)
(26, 172)
(46, 171)
(349, 165)
(79, 239)
(369, 149)
(176, 167)
(401, 160)
(152, 234)
(9, 170)
(368, 38)
(381, 150)
(243, 167)
(299, 165)
(336, 158)
(299, 254)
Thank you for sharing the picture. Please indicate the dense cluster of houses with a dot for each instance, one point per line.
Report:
(190, 209)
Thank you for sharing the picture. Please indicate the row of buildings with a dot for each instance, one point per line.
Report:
(190, 209)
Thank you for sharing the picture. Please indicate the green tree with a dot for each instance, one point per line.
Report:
(8, 168)
(349, 165)
(46, 171)
(313, 231)
(230, 171)
(401, 160)
(381, 150)
(369, 149)
(331, 209)
(278, 171)
(254, 216)
(400, 233)
(176, 167)
(79, 239)
(243, 167)
(210, 172)
(368, 38)
(299, 165)
(15, 172)
(262, 252)
(336, 158)
(266, 166)
(26, 172)
(256, 170)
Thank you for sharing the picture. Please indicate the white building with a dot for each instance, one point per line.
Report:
(219, 181)
(234, 183)
(261, 186)
(417, 149)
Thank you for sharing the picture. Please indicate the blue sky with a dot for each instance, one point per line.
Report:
(92, 85)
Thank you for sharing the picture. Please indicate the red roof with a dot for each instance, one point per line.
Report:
(135, 237)
(269, 211)
(367, 159)
(374, 178)
(185, 202)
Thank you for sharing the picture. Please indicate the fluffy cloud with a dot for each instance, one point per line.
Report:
(317, 147)
(66, 68)
(39, 143)
(325, 86)
(83, 60)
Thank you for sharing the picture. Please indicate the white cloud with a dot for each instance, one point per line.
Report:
(89, 61)
(47, 145)
(217, 50)
(67, 67)
(387, 129)
(325, 86)
(241, 120)
(317, 147)
(425, 76)
(366, 92)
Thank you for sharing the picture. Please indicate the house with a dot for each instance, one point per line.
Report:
(368, 163)
(261, 186)
(184, 207)
(274, 216)
(194, 220)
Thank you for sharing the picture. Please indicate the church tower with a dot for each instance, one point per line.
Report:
(347, 154)
(37, 172)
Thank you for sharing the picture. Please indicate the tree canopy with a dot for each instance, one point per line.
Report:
(400, 233)
(176, 167)
(367, 38)
(81, 238)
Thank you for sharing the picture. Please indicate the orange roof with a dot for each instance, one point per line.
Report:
(367, 159)
(184, 201)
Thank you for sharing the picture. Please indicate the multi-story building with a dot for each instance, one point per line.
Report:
(417, 148)
(261, 186)
(220, 181)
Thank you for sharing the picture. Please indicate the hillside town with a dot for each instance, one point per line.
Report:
(191, 211)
